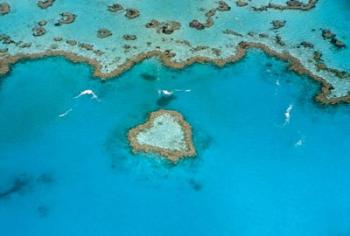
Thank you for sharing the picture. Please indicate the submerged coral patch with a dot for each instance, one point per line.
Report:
(18, 185)
(164, 100)
(148, 77)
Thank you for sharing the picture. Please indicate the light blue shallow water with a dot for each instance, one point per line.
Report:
(255, 173)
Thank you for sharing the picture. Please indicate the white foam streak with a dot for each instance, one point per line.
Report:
(65, 113)
(299, 143)
(287, 114)
(183, 90)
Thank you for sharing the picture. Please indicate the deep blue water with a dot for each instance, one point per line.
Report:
(255, 173)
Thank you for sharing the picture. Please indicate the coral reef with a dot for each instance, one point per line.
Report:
(165, 133)
(43, 4)
(39, 31)
(4, 8)
(115, 7)
(241, 3)
(66, 18)
(332, 38)
(290, 5)
(103, 33)
(129, 37)
(132, 13)
(276, 24)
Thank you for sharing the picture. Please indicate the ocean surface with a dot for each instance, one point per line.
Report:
(270, 160)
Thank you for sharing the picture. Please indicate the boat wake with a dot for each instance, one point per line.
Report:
(87, 92)
(183, 90)
(165, 92)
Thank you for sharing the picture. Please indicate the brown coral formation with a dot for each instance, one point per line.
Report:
(103, 33)
(200, 26)
(71, 42)
(6, 39)
(232, 32)
(43, 4)
(38, 31)
(169, 54)
(327, 34)
(294, 3)
(86, 46)
(279, 41)
(332, 38)
(263, 35)
(132, 13)
(42, 23)
(277, 24)
(306, 44)
(115, 7)
(25, 45)
(66, 18)
(152, 24)
(196, 24)
(320, 65)
(199, 48)
(4, 8)
(166, 27)
(241, 3)
(172, 155)
(290, 5)
(338, 43)
(129, 37)
(223, 6)
(217, 52)
(57, 39)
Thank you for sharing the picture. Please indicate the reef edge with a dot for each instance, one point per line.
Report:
(241, 51)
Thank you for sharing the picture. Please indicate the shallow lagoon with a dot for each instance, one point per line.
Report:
(255, 173)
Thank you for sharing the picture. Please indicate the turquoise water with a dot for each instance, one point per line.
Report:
(256, 173)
